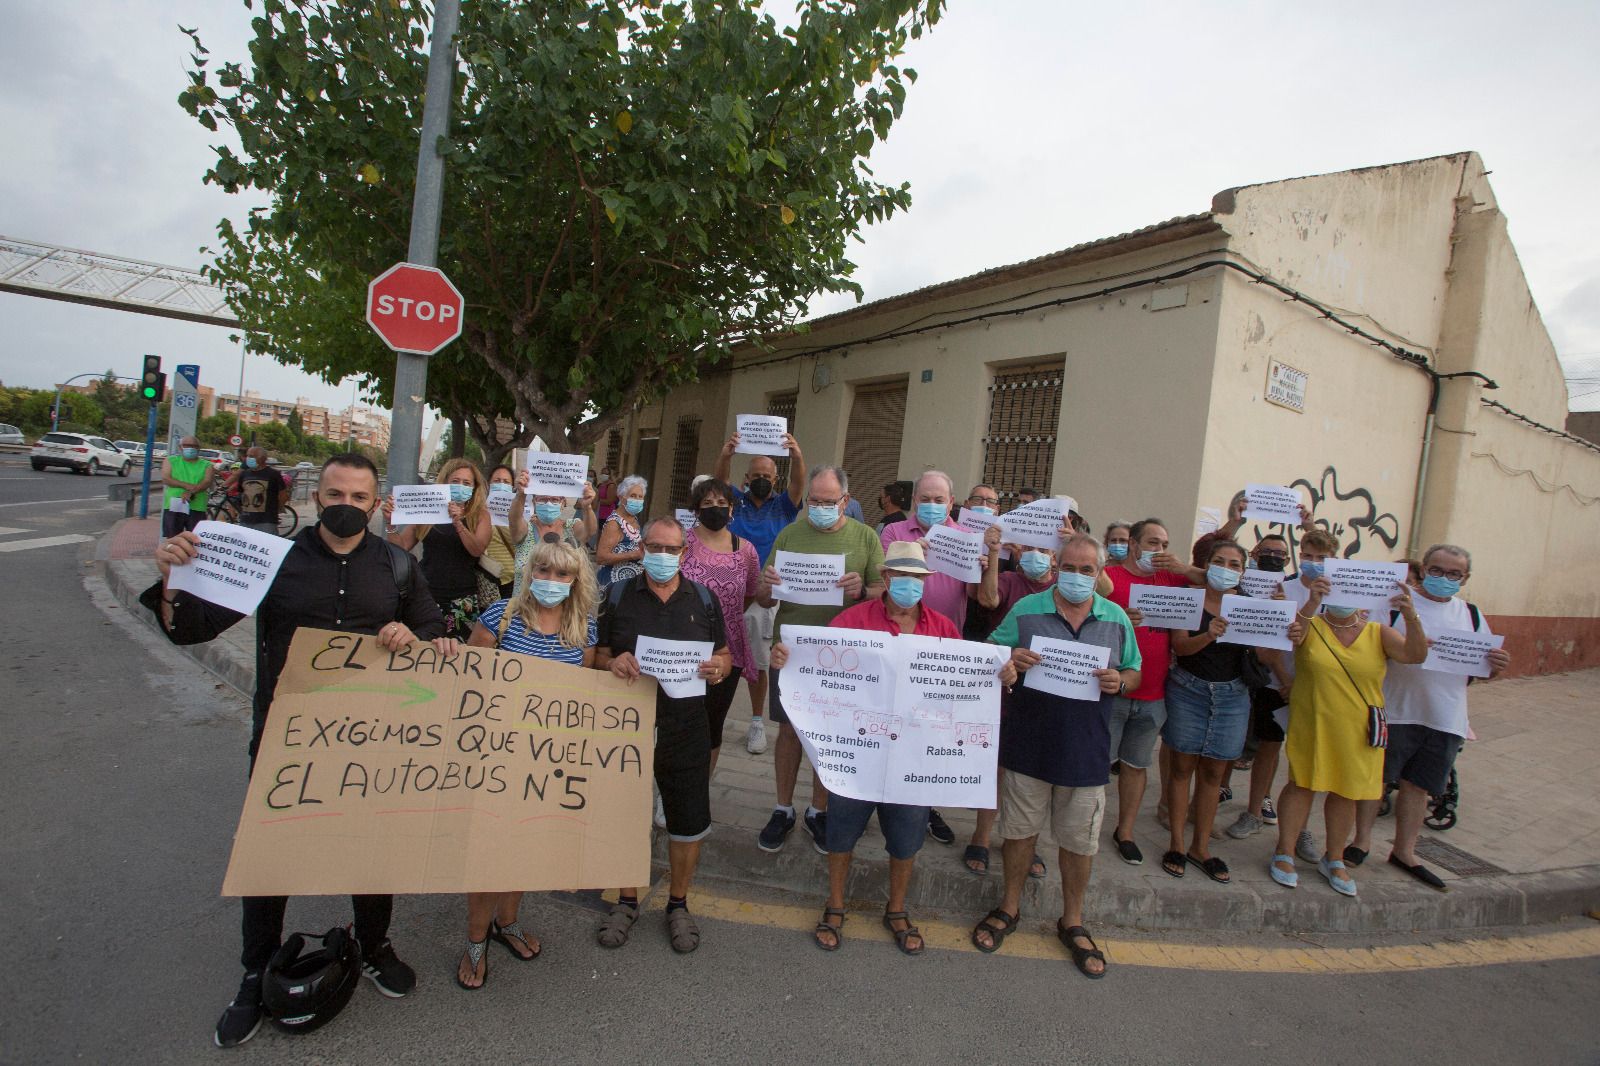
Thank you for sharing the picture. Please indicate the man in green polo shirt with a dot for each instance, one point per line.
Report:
(186, 481)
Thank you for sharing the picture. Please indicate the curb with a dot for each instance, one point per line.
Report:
(225, 662)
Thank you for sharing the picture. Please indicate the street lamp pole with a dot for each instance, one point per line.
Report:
(55, 410)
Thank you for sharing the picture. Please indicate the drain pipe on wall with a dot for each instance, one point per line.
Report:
(1414, 542)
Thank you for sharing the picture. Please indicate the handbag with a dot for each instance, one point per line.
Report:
(1253, 672)
(1377, 721)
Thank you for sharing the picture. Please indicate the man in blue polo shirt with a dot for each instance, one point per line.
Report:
(760, 512)
(1055, 752)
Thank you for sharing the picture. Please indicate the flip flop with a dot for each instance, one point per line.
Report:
(1171, 859)
(1042, 869)
(1081, 955)
(1421, 873)
(978, 854)
(504, 934)
(1213, 868)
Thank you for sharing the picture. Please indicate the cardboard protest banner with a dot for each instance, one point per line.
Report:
(1066, 668)
(1167, 607)
(1257, 623)
(555, 474)
(498, 505)
(895, 719)
(1262, 584)
(956, 552)
(1365, 586)
(421, 505)
(1461, 651)
(812, 579)
(1273, 504)
(760, 434)
(409, 771)
(235, 566)
(687, 519)
(1036, 524)
(675, 664)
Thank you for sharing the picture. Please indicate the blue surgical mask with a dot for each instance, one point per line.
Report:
(981, 510)
(1147, 561)
(634, 505)
(191, 453)
(250, 462)
(1441, 587)
(1310, 570)
(500, 488)
(905, 591)
(932, 514)
(1221, 578)
(547, 512)
(460, 493)
(1117, 551)
(661, 566)
(823, 517)
(549, 593)
(1340, 612)
(1034, 565)
(1075, 587)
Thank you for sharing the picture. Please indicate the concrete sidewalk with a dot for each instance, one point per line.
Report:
(1526, 848)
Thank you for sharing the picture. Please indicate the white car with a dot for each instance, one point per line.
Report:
(11, 435)
(134, 448)
(79, 452)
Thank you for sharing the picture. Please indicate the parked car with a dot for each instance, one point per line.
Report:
(130, 447)
(305, 466)
(11, 435)
(79, 452)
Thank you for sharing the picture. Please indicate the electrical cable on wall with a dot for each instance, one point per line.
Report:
(1543, 485)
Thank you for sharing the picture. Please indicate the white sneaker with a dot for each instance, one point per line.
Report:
(661, 814)
(1246, 824)
(756, 741)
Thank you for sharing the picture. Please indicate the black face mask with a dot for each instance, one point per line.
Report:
(714, 518)
(343, 520)
(1271, 564)
(761, 487)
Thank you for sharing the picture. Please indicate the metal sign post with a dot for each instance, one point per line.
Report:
(149, 455)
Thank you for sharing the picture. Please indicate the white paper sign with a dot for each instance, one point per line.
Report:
(895, 719)
(1273, 504)
(675, 664)
(1365, 586)
(1257, 623)
(1037, 524)
(555, 474)
(1066, 668)
(687, 519)
(235, 566)
(421, 505)
(1461, 651)
(1262, 584)
(956, 552)
(1167, 607)
(760, 434)
(178, 505)
(812, 579)
(973, 522)
(1207, 520)
(499, 507)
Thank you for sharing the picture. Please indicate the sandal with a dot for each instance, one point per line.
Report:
(1213, 868)
(997, 933)
(505, 934)
(1036, 868)
(903, 935)
(979, 855)
(827, 927)
(1080, 954)
(613, 932)
(476, 950)
(682, 930)
(1174, 863)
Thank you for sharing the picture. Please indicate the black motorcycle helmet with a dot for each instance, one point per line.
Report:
(305, 992)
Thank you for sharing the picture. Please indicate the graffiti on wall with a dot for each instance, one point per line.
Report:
(1352, 515)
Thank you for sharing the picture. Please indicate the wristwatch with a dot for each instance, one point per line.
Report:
(1122, 687)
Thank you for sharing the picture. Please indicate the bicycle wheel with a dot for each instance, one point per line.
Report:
(288, 520)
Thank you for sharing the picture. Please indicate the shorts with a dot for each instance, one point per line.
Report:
(1135, 724)
(1263, 723)
(173, 523)
(758, 622)
(904, 827)
(1206, 718)
(686, 799)
(1421, 755)
(1074, 814)
(719, 700)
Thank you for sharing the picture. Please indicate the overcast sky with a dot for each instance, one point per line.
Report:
(1035, 125)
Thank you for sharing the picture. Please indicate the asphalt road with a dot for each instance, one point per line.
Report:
(121, 776)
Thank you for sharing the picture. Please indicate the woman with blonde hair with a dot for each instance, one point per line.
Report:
(551, 616)
(450, 550)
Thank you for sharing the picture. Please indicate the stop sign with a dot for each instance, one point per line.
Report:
(414, 308)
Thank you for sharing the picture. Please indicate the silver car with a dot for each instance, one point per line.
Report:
(11, 435)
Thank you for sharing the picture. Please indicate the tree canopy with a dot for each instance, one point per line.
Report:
(631, 188)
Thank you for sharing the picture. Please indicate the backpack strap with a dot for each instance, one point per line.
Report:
(402, 566)
(1477, 617)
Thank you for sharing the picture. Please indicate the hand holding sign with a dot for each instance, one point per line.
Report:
(499, 507)
(761, 435)
(675, 664)
(228, 565)
(1257, 623)
(554, 474)
(420, 505)
(1463, 651)
(1365, 586)
(956, 552)
(1166, 607)
(1273, 504)
(1067, 668)
(812, 579)
(1037, 524)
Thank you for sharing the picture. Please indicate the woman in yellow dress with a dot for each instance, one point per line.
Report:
(1340, 660)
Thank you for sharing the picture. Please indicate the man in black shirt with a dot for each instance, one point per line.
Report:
(663, 604)
(339, 577)
(260, 491)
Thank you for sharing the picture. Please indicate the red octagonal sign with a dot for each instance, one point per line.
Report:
(414, 308)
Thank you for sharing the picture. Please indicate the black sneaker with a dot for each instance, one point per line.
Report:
(779, 826)
(817, 826)
(938, 830)
(1224, 795)
(243, 1017)
(391, 976)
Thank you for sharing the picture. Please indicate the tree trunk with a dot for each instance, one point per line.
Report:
(458, 436)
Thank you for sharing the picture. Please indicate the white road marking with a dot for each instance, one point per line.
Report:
(6, 531)
(42, 542)
(52, 503)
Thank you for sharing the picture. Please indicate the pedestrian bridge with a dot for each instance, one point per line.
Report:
(32, 268)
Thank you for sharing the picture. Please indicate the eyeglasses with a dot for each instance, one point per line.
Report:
(1448, 575)
(664, 549)
(813, 501)
(985, 501)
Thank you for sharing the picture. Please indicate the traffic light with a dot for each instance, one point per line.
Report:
(153, 383)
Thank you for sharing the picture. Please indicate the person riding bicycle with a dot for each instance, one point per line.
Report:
(261, 492)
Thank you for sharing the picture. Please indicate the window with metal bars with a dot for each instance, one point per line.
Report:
(782, 405)
(613, 450)
(685, 451)
(1019, 447)
(872, 443)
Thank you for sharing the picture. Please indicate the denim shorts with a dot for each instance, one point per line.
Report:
(1135, 724)
(903, 826)
(1206, 718)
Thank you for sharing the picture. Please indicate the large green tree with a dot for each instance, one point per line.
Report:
(632, 187)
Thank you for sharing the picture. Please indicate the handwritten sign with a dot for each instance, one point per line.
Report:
(1461, 651)
(555, 474)
(235, 566)
(675, 664)
(1167, 607)
(1257, 623)
(761, 434)
(498, 505)
(1066, 668)
(1273, 504)
(956, 552)
(895, 719)
(1365, 586)
(408, 771)
(1036, 524)
(421, 505)
(1262, 584)
(812, 579)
